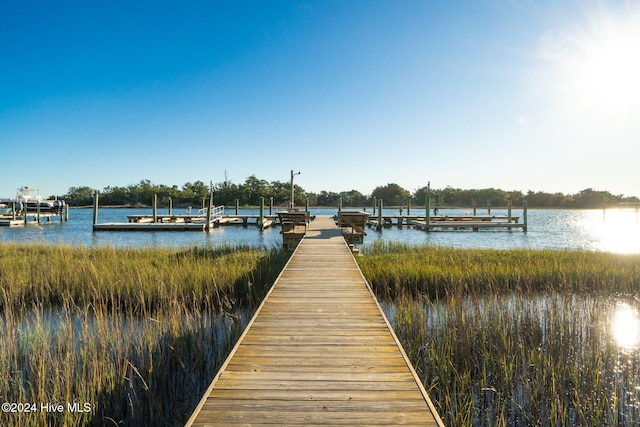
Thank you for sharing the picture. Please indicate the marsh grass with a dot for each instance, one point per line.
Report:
(136, 333)
(397, 270)
(514, 338)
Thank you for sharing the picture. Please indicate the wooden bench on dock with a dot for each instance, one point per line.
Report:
(294, 226)
(352, 225)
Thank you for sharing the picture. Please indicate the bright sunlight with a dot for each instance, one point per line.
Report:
(626, 326)
(599, 65)
(606, 69)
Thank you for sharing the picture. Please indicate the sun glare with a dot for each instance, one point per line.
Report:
(599, 64)
(625, 326)
(606, 70)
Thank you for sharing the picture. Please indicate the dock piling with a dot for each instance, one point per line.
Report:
(155, 208)
(96, 197)
(427, 213)
(261, 219)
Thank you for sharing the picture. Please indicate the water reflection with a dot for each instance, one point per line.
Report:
(616, 230)
(625, 326)
(613, 230)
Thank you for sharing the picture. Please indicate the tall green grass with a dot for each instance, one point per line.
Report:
(142, 281)
(396, 270)
(518, 337)
(136, 333)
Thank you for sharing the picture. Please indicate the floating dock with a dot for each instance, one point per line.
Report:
(319, 351)
(428, 222)
(32, 218)
(205, 220)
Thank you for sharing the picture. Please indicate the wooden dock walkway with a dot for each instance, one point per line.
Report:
(319, 351)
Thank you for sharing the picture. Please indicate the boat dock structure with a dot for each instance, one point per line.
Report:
(205, 219)
(429, 222)
(318, 351)
(28, 208)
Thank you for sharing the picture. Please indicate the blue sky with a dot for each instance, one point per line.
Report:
(516, 95)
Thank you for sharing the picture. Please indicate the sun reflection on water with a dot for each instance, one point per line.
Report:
(613, 230)
(625, 326)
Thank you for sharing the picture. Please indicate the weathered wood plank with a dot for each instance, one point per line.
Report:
(318, 352)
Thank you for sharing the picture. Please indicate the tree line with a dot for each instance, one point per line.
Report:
(249, 193)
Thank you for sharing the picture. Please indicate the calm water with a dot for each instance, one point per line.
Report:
(616, 230)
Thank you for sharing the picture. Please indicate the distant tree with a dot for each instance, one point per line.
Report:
(194, 193)
(281, 193)
(254, 188)
(226, 193)
(391, 194)
(590, 198)
(79, 196)
(249, 193)
(353, 198)
(115, 196)
(327, 198)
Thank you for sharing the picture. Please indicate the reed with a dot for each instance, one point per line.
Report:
(141, 280)
(396, 269)
(137, 334)
(504, 338)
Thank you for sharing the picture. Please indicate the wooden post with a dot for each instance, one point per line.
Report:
(488, 207)
(38, 212)
(261, 220)
(271, 206)
(96, 197)
(170, 206)
(473, 201)
(155, 208)
(380, 214)
(340, 204)
(306, 204)
(13, 210)
(66, 212)
(427, 215)
(374, 205)
(237, 205)
(524, 214)
(509, 210)
(210, 208)
(408, 206)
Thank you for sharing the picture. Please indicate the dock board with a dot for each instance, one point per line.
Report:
(319, 351)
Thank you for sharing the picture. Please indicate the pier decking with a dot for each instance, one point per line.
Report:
(319, 351)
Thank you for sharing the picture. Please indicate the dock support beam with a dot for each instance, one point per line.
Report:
(509, 210)
(210, 209)
(96, 197)
(155, 208)
(524, 214)
(237, 205)
(427, 213)
(380, 203)
(261, 219)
